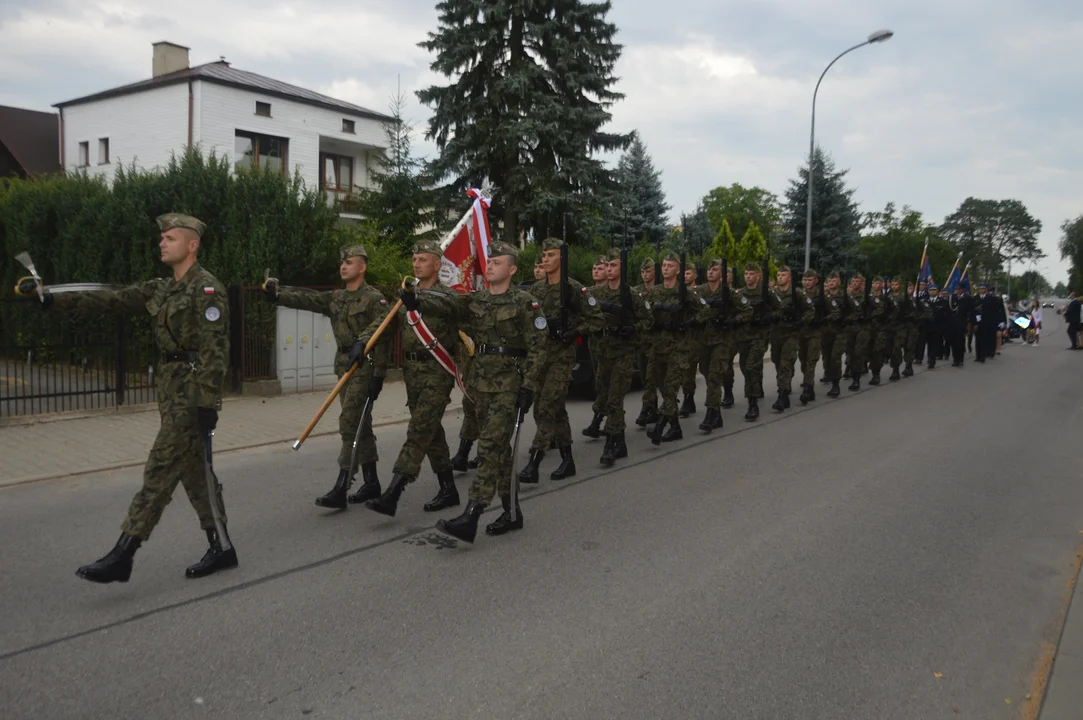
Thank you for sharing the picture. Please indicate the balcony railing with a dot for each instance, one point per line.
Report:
(345, 201)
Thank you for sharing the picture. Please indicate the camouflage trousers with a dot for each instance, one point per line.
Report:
(496, 423)
(719, 360)
(428, 392)
(550, 413)
(833, 345)
(176, 456)
(879, 341)
(784, 347)
(905, 338)
(752, 346)
(646, 371)
(697, 360)
(670, 366)
(808, 350)
(612, 383)
(469, 428)
(857, 349)
(352, 399)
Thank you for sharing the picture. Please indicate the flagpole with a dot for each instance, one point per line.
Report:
(462, 222)
(957, 259)
(921, 265)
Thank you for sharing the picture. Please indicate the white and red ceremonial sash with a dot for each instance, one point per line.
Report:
(466, 247)
(438, 351)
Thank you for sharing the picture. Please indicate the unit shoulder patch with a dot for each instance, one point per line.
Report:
(212, 313)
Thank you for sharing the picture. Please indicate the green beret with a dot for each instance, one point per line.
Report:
(833, 275)
(783, 268)
(613, 254)
(500, 249)
(551, 243)
(672, 256)
(428, 246)
(176, 220)
(354, 250)
(811, 272)
(648, 263)
(897, 279)
(753, 267)
(857, 276)
(600, 260)
(714, 262)
(690, 266)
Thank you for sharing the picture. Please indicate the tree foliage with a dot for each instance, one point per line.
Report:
(1071, 249)
(1060, 290)
(529, 93)
(741, 206)
(637, 203)
(836, 221)
(992, 232)
(696, 230)
(895, 243)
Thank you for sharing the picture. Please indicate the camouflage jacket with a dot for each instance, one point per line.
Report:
(879, 308)
(192, 317)
(786, 314)
(584, 314)
(855, 310)
(834, 304)
(761, 309)
(509, 320)
(669, 316)
(635, 315)
(902, 307)
(351, 313)
(441, 321)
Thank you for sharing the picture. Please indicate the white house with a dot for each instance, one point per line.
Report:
(251, 118)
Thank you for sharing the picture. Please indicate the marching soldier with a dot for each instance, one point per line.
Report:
(857, 332)
(960, 305)
(879, 328)
(670, 318)
(784, 336)
(729, 351)
(695, 351)
(351, 309)
(468, 429)
(718, 341)
(192, 332)
(752, 336)
(985, 318)
(833, 336)
(939, 320)
(648, 414)
(429, 372)
(810, 334)
(595, 342)
(901, 312)
(508, 330)
(556, 359)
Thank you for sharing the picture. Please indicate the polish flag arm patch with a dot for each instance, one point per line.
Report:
(208, 290)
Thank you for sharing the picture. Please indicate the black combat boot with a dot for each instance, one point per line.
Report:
(856, 384)
(807, 394)
(875, 379)
(473, 464)
(214, 559)
(460, 463)
(727, 398)
(835, 391)
(447, 496)
(503, 523)
(116, 566)
(932, 362)
(894, 374)
(712, 420)
(594, 430)
(786, 399)
(753, 412)
(909, 370)
(566, 469)
(370, 488)
(846, 375)
(336, 497)
(641, 420)
(609, 452)
(655, 433)
(673, 432)
(620, 447)
(688, 407)
(824, 380)
(464, 527)
(529, 474)
(780, 404)
(388, 503)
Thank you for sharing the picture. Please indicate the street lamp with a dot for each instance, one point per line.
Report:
(876, 37)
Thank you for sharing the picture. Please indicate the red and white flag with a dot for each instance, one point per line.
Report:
(466, 247)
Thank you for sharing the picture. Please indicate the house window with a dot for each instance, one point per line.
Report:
(260, 152)
(337, 172)
(103, 151)
(84, 154)
(263, 109)
(347, 126)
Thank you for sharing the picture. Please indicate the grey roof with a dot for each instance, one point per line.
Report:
(32, 138)
(220, 72)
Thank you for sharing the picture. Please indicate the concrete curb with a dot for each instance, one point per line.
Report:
(1064, 691)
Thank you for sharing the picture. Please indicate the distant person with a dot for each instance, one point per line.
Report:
(1071, 316)
(1036, 321)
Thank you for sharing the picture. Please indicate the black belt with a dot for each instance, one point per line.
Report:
(417, 356)
(611, 330)
(500, 350)
(188, 356)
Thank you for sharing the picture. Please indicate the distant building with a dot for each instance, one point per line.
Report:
(253, 119)
(29, 145)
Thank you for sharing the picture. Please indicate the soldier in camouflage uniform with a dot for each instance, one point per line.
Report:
(428, 384)
(556, 361)
(508, 331)
(752, 336)
(596, 342)
(901, 309)
(729, 347)
(648, 414)
(670, 323)
(912, 322)
(857, 332)
(468, 430)
(352, 310)
(192, 332)
(833, 335)
(808, 343)
(616, 351)
(696, 351)
(879, 328)
(718, 339)
(784, 336)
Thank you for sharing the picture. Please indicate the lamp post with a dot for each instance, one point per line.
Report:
(878, 36)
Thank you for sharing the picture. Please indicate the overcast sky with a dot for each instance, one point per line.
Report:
(971, 97)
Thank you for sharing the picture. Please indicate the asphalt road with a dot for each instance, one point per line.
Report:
(825, 563)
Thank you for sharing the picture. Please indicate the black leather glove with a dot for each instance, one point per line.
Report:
(668, 307)
(409, 299)
(207, 419)
(569, 336)
(554, 327)
(357, 353)
(524, 399)
(609, 306)
(375, 387)
(270, 289)
(626, 331)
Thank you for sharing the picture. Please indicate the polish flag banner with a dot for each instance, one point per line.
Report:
(466, 247)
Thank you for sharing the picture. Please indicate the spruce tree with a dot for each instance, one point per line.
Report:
(639, 203)
(529, 93)
(836, 221)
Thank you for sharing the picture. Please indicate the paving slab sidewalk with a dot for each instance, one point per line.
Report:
(58, 445)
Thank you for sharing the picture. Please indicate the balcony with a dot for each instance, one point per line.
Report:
(344, 169)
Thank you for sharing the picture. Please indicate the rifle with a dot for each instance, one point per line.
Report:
(866, 312)
(844, 311)
(565, 300)
(793, 300)
(625, 291)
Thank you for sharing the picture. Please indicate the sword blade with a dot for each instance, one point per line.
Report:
(357, 436)
(212, 492)
(514, 491)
